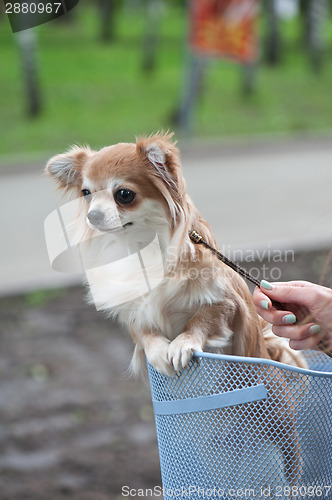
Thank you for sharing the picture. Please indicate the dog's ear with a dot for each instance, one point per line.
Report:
(66, 168)
(163, 154)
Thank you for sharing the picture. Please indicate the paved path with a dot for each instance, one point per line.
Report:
(257, 197)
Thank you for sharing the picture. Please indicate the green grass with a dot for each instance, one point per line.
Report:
(97, 94)
(40, 298)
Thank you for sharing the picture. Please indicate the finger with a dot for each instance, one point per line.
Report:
(301, 313)
(290, 294)
(277, 317)
(296, 332)
(295, 283)
(307, 343)
(263, 303)
(261, 300)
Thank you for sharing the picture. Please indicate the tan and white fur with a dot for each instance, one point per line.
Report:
(200, 303)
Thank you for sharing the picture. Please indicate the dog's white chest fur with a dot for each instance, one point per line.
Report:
(166, 308)
(163, 309)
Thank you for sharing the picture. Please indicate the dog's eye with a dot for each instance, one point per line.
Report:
(87, 195)
(124, 196)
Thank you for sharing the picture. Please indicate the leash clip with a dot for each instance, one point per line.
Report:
(195, 236)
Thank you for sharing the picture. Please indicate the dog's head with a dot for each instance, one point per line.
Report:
(125, 185)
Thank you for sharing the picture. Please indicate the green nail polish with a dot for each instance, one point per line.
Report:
(314, 329)
(265, 284)
(289, 319)
(265, 304)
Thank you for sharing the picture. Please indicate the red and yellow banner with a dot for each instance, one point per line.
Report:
(225, 28)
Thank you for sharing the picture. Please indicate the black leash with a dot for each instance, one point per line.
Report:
(198, 239)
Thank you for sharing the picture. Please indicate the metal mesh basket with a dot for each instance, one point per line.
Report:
(231, 427)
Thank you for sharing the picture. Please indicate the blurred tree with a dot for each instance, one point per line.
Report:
(315, 16)
(27, 44)
(107, 23)
(153, 10)
(272, 38)
(303, 12)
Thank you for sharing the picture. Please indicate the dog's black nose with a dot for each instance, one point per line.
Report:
(95, 217)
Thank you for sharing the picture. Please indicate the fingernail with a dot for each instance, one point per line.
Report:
(289, 319)
(265, 304)
(265, 284)
(314, 329)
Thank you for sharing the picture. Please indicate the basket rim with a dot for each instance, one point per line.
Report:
(262, 361)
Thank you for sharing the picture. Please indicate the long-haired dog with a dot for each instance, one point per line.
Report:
(199, 302)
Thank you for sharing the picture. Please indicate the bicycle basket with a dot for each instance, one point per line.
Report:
(231, 427)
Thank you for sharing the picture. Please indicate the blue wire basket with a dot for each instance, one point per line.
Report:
(231, 427)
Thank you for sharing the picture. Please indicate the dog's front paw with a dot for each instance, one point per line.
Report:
(181, 350)
(157, 356)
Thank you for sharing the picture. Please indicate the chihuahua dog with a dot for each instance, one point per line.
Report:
(132, 191)
(199, 302)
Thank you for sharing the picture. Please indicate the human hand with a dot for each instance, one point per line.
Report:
(307, 318)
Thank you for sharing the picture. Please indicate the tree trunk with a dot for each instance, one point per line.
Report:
(316, 15)
(151, 35)
(273, 40)
(27, 45)
(107, 25)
